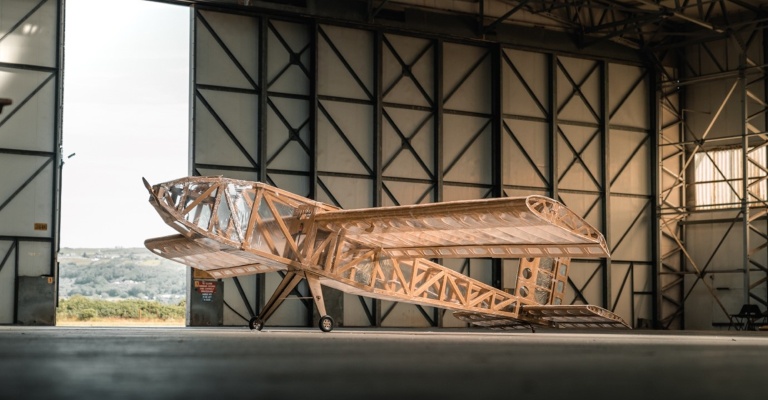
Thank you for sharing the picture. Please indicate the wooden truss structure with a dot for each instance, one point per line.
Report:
(231, 228)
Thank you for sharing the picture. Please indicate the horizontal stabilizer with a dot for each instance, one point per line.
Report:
(556, 316)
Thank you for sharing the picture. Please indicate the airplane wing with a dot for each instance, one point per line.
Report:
(220, 261)
(555, 316)
(533, 226)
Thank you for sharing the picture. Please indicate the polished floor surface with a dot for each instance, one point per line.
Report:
(234, 363)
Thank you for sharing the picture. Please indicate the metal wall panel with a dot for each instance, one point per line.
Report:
(226, 95)
(226, 118)
(578, 170)
(287, 133)
(409, 125)
(466, 120)
(630, 181)
(37, 300)
(29, 147)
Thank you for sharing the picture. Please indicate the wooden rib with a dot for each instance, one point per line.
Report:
(233, 213)
(266, 236)
(317, 251)
(480, 297)
(183, 197)
(253, 217)
(505, 303)
(399, 273)
(452, 282)
(429, 283)
(199, 199)
(340, 240)
(341, 269)
(377, 268)
(329, 261)
(281, 223)
(414, 272)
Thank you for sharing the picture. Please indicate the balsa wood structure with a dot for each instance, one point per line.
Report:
(232, 228)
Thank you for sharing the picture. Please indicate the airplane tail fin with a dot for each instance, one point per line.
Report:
(577, 316)
(543, 280)
(541, 285)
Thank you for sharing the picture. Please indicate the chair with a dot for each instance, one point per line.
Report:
(746, 319)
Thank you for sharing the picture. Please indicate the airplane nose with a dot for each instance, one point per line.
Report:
(147, 185)
(150, 189)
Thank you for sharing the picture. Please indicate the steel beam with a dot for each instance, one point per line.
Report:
(605, 183)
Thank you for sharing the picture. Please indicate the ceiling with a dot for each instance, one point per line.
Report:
(651, 25)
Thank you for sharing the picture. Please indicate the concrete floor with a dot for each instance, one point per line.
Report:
(234, 363)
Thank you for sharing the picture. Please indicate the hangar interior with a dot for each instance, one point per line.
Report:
(639, 115)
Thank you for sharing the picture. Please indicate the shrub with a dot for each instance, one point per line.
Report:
(86, 314)
(84, 308)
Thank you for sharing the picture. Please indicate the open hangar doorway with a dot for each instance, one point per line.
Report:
(125, 117)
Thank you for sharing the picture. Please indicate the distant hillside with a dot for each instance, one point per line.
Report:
(120, 273)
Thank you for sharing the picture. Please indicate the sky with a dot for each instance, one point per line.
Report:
(125, 116)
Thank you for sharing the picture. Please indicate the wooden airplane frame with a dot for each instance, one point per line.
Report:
(231, 228)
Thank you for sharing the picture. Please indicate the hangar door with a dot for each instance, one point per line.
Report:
(29, 159)
(360, 118)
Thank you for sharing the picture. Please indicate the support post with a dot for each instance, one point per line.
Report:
(606, 181)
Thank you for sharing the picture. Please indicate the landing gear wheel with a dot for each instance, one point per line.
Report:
(326, 323)
(256, 323)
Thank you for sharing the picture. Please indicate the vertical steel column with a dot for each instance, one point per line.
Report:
(263, 98)
(16, 281)
(682, 228)
(191, 137)
(57, 150)
(314, 129)
(377, 119)
(313, 107)
(192, 102)
(654, 117)
(378, 112)
(438, 115)
(260, 285)
(553, 175)
(497, 151)
(744, 172)
(606, 181)
(764, 49)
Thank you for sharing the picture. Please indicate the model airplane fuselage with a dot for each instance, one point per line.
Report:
(231, 228)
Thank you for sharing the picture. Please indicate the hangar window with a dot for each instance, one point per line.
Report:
(719, 177)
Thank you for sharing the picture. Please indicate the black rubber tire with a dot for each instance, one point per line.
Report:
(256, 324)
(326, 323)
